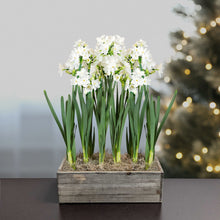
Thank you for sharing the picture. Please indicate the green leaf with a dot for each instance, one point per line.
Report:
(63, 114)
(54, 115)
(152, 122)
(68, 123)
(165, 115)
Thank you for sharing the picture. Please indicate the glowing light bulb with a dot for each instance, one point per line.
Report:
(185, 35)
(219, 89)
(179, 47)
(167, 146)
(208, 66)
(189, 58)
(157, 148)
(204, 150)
(212, 104)
(184, 42)
(185, 104)
(213, 23)
(198, 7)
(217, 20)
(189, 100)
(219, 133)
(187, 71)
(217, 168)
(209, 168)
(168, 131)
(166, 79)
(202, 30)
(197, 158)
(179, 155)
(216, 111)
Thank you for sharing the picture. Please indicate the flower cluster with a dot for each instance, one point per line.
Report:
(130, 67)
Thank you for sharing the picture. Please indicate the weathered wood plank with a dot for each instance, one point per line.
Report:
(141, 188)
(109, 198)
(93, 178)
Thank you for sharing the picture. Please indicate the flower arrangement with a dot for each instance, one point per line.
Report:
(111, 83)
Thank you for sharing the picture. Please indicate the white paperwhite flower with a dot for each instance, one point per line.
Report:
(160, 70)
(119, 40)
(83, 77)
(93, 69)
(116, 77)
(84, 82)
(80, 43)
(126, 68)
(104, 42)
(73, 61)
(60, 69)
(83, 73)
(138, 73)
(84, 52)
(133, 88)
(87, 89)
(146, 81)
(95, 84)
(137, 81)
(74, 81)
(110, 64)
(127, 84)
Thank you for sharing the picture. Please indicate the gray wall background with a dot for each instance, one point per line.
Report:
(35, 37)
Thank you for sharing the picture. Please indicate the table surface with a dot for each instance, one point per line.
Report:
(183, 199)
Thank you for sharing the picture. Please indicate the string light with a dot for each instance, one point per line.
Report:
(179, 155)
(212, 104)
(185, 35)
(157, 148)
(166, 79)
(217, 168)
(219, 133)
(179, 47)
(167, 146)
(189, 58)
(185, 104)
(217, 20)
(184, 42)
(209, 168)
(198, 7)
(216, 111)
(189, 100)
(208, 66)
(204, 150)
(197, 158)
(219, 89)
(202, 30)
(213, 23)
(187, 71)
(168, 131)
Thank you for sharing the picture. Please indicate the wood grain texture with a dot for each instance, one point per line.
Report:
(110, 186)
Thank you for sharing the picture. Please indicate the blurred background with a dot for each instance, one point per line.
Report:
(38, 35)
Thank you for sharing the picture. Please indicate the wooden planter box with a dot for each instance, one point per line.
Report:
(110, 186)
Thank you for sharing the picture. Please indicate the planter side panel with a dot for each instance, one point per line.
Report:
(109, 187)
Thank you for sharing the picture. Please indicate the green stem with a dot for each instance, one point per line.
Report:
(69, 157)
(101, 158)
(118, 157)
(135, 155)
(150, 159)
(85, 156)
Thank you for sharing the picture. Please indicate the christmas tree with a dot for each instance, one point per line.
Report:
(190, 144)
